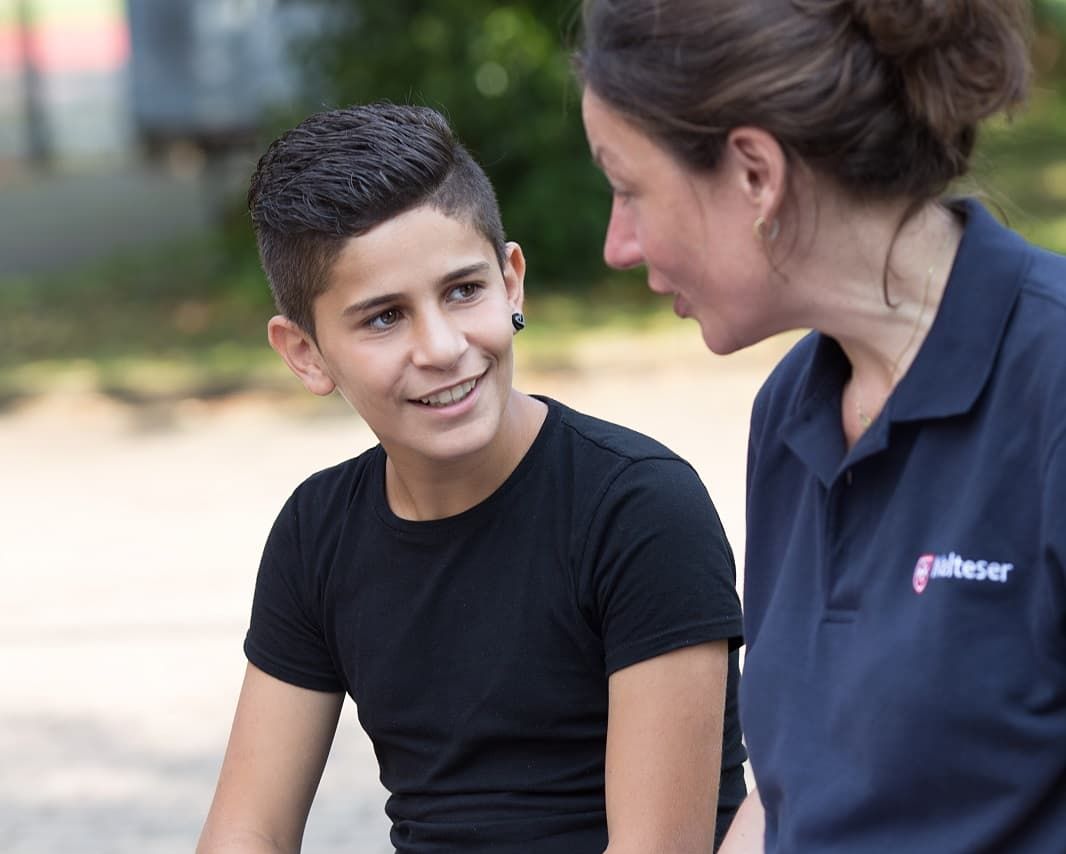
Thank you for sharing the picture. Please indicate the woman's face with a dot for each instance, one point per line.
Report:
(691, 230)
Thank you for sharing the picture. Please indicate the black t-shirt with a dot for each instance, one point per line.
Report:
(477, 648)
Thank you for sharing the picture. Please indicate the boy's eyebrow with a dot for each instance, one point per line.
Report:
(479, 268)
(367, 304)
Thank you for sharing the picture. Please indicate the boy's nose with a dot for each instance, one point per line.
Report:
(440, 343)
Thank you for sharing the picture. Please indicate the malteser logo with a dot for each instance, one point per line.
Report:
(921, 572)
(952, 565)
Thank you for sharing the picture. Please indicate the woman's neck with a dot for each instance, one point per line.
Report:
(881, 286)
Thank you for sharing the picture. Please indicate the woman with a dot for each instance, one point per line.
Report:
(781, 164)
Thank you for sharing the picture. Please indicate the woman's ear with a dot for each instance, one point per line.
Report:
(514, 275)
(300, 353)
(759, 169)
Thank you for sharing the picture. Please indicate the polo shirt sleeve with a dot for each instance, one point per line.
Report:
(285, 637)
(657, 571)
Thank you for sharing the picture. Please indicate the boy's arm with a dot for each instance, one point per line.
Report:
(277, 749)
(664, 751)
(745, 834)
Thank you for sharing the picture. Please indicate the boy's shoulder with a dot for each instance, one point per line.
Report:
(606, 439)
(323, 493)
(595, 442)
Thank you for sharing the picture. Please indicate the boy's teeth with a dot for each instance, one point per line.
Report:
(449, 395)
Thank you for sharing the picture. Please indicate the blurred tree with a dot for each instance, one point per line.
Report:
(1050, 32)
(500, 72)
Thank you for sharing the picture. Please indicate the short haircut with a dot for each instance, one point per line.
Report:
(339, 174)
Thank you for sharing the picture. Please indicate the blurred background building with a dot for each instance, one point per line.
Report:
(208, 70)
(92, 78)
(63, 72)
(121, 107)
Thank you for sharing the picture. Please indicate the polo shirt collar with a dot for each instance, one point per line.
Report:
(951, 367)
(956, 359)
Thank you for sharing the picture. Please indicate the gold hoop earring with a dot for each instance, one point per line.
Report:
(761, 233)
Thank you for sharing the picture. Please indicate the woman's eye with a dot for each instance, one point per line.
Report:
(620, 194)
(384, 320)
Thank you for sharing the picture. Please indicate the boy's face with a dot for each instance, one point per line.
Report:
(415, 332)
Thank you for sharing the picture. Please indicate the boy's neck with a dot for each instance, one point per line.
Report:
(420, 490)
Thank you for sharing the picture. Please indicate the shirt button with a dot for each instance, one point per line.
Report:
(847, 477)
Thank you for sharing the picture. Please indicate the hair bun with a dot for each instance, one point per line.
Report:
(960, 61)
(900, 29)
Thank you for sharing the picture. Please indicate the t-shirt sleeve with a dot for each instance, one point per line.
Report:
(657, 572)
(285, 637)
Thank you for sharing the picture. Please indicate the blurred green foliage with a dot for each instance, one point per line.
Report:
(501, 74)
(1050, 12)
(1048, 46)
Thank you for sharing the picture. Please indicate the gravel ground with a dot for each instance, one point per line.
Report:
(130, 541)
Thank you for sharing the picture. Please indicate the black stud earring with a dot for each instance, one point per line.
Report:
(518, 321)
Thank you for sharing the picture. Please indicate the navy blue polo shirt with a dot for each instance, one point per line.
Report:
(905, 601)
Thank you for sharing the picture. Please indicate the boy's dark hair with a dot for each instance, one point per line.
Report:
(339, 174)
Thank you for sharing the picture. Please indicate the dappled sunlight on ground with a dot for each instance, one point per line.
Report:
(132, 536)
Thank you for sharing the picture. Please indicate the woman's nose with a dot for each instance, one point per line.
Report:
(621, 249)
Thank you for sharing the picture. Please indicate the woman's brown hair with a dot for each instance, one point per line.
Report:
(882, 96)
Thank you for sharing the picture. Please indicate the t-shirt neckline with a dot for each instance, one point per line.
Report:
(472, 515)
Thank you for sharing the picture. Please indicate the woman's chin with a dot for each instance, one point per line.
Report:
(719, 341)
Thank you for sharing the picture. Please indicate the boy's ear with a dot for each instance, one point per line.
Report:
(300, 353)
(514, 275)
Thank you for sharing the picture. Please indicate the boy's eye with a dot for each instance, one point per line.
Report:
(465, 291)
(387, 318)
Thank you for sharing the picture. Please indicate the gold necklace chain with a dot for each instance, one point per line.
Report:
(865, 420)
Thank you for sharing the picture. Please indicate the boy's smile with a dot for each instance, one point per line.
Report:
(451, 395)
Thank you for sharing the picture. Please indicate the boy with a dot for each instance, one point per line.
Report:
(533, 610)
